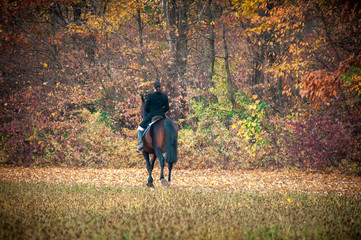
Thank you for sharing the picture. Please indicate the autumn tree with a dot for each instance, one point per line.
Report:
(256, 73)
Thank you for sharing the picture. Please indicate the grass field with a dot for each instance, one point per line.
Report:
(52, 211)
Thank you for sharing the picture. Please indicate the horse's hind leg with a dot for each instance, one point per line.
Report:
(170, 166)
(161, 161)
(149, 168)
(159, 154)
(153, 160)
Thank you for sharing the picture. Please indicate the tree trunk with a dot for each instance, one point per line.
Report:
(212, 54)
(141, 45)
(177, 29)
(279, 91)
(226, 62)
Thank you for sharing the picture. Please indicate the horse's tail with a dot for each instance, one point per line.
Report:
(171, 142)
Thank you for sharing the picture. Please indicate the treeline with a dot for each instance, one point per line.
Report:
(260, 83)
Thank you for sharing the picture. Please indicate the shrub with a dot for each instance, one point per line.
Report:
(90, 141)
(215, 147)
(24, 123)
(318, 143)
(251, 127)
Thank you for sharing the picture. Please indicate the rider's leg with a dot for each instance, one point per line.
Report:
(140, 134)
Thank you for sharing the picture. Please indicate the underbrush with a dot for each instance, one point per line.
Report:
(86, 140)
(213, 136)
(46, 211)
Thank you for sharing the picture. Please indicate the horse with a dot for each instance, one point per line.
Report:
(161, 137)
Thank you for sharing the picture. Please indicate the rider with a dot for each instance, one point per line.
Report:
(156, 104)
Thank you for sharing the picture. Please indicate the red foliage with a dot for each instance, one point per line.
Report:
(320, 143)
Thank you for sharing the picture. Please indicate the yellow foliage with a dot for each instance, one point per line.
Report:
(251, 128)
(353, 82)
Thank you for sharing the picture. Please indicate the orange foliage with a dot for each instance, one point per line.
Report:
(321, 86)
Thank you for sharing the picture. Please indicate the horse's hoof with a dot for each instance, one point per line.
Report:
(164, 182)
(150, 185)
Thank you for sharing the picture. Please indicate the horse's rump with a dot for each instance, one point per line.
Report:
(154, 137)
(163, 135)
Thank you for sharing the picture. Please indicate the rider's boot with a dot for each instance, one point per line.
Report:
(140, 135)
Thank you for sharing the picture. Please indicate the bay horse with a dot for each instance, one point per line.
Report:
(161, 137)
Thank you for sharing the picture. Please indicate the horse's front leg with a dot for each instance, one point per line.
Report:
(159, 154)
(149, 168)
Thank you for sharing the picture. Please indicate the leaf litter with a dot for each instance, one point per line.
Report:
(206, 179)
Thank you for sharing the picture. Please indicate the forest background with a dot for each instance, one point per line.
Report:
(252, 84)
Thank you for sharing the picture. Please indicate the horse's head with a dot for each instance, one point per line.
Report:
(142, 112)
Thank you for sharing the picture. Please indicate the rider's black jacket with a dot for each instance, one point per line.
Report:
(156, 104)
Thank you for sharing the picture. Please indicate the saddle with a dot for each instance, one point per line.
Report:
(154, 119)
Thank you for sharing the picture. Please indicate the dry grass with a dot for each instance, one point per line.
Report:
(56, 211)
(256, 181)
